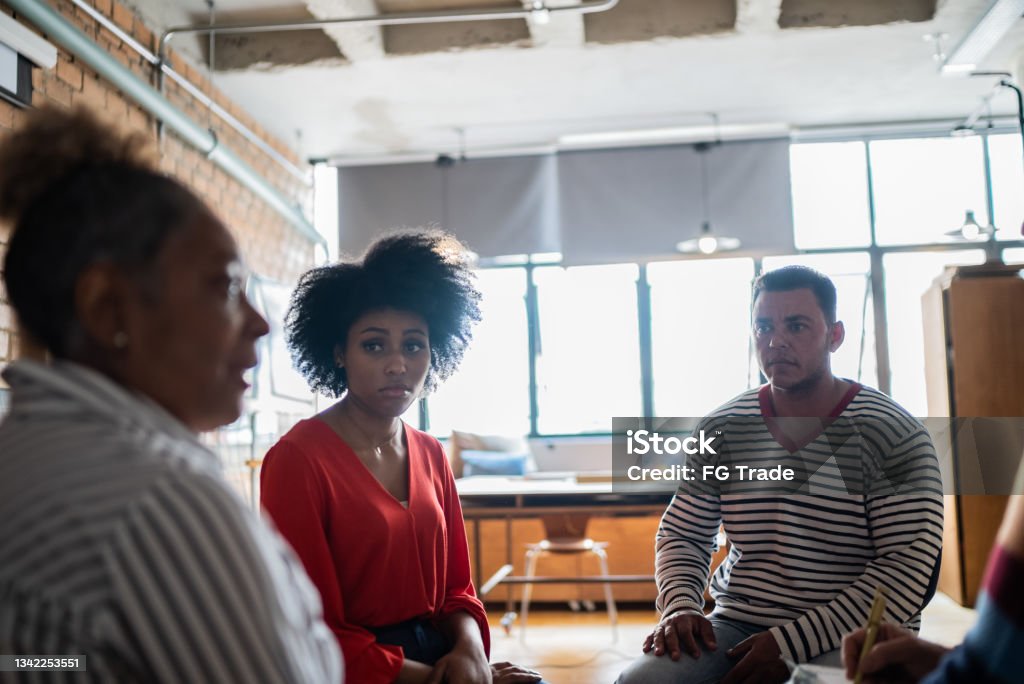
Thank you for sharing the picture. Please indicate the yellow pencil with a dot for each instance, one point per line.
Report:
(871, 629)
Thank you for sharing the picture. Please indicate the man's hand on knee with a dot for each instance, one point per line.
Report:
(759, 661)
(678, 632)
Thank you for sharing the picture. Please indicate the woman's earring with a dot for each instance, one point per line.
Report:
(120, 339)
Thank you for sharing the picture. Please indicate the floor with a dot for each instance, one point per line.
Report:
(577, 648)
(572, 648)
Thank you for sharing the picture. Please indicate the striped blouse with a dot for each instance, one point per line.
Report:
(121, 541)
(806, 564)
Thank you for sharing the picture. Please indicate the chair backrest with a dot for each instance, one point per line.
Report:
(566, 526)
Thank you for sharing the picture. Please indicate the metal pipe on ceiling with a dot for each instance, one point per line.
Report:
(77, 43)
(299, 174)
(393, 19)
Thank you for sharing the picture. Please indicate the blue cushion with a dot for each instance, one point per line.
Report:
(493, 462)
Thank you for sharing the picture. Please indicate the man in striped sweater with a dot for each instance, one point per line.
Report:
(805, 557)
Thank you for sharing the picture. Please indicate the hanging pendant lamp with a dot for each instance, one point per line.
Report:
(706, 242)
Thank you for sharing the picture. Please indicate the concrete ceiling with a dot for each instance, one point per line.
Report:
(357, 92)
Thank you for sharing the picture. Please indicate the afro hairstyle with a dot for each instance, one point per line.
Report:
(425, 272)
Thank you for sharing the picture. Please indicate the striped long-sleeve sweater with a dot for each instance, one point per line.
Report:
(121, 541)
(805, 565)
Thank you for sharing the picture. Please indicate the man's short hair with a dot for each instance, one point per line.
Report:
(796, 277)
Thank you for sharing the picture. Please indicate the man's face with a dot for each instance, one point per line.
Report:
(794, 341)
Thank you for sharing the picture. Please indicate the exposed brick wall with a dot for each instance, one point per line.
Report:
(271, 246)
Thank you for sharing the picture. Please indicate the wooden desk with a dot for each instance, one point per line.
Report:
(517, 504)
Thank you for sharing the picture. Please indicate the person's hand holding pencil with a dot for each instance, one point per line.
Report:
(883, 652)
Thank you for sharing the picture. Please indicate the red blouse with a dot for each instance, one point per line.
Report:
(375, 562)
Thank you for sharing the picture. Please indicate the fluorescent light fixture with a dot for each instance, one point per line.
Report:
(979, 41)
(26, 43)
(675, 134)
(965, 69)
(414, 157)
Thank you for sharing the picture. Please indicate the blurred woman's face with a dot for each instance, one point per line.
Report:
(386, 357)
(190, 346)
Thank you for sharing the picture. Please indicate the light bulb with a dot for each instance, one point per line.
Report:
(971, 229)
(539, 14)
(707, 244)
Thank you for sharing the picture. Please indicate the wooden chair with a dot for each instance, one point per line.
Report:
(566, 534)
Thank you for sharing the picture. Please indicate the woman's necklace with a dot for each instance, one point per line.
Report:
(377, 449)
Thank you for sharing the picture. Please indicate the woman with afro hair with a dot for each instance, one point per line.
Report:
(368, 502)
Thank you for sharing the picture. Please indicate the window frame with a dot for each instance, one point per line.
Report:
(876, 254)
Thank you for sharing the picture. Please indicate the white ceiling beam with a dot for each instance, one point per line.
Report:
(555, 29)
(357, 43)
(757, 16)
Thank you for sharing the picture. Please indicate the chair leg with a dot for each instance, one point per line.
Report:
(613, 613)
(531, 570)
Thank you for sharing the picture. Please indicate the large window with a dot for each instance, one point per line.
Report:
(588, 360)
(923, 187)
(1014, 255)
(700, 332)
(830, 195)
(490, 393)
(1005, 157)
(586, 326)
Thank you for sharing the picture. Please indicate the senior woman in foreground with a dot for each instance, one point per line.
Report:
(119, 538)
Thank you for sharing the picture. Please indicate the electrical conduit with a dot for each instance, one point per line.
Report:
(74, 41)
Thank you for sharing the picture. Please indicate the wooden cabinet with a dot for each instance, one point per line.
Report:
(974, 363)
